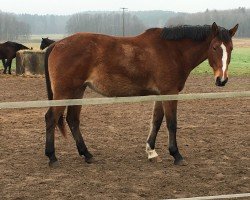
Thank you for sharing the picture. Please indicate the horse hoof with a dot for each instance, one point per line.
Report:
(54, 164)
(155, 159)
(89, 160)
(181, 162)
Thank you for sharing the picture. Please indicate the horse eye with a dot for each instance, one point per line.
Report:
(214, 48)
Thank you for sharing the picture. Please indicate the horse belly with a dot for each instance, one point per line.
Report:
(118, 86)
(2, 55)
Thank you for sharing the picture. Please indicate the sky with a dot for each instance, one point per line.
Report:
(64, 7)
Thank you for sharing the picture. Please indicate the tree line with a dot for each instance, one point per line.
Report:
(19, 27)
(13, 29)
(136, 22)
(106, 23)
(226, 18)
(45, 24)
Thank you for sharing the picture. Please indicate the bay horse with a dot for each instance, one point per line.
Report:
(45, 43)
(8, 51)
(157, 62)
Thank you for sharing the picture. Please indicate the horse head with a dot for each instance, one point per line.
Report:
(45, 43)
(219, 53)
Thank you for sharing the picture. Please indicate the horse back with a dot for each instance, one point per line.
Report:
(96, 50)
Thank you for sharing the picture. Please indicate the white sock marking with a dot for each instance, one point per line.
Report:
(224, 61)
(151, 152)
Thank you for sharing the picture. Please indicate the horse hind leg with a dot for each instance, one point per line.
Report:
(73, 121)
(51, 118)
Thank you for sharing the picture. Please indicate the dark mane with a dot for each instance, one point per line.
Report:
(196, 33)
(16, 45)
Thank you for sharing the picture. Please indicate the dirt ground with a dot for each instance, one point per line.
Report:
(213, 136)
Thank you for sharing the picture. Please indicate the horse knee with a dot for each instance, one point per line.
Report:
(172, 125)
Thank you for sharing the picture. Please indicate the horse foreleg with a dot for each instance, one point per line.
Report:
(4, 65)
(73, 121)
(157, 118)
(170, 111)
(8, 64)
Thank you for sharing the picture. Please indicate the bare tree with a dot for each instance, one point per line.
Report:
(226, 18)
(107, 23)
(11, 28)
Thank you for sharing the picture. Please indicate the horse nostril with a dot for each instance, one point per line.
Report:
(225, 81)
(220, 83)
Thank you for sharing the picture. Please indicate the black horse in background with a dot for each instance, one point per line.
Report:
(8, 51)
(45, 43)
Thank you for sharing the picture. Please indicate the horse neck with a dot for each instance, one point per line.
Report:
(188, 53)
(20, 47)
(49, 42)
(194, 53)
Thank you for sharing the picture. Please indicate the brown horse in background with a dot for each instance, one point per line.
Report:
(8, 51)
(157, 62)
(45, 43)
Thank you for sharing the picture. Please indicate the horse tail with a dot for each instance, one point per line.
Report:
(47, 78)
(61, 122)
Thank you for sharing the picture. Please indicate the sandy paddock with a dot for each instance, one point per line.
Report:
(213, 136)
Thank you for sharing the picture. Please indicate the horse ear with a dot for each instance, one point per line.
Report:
(233, 30)
(215, 29)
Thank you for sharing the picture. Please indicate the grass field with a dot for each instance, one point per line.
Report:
(240, 61)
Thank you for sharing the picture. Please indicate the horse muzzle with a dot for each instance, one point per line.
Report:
(219, 82)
